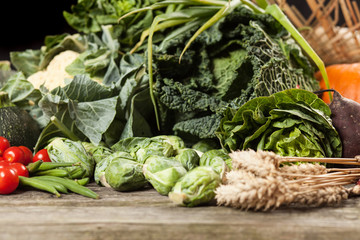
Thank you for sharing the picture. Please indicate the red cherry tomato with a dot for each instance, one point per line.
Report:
(19, 168)
(4, 144)
(9, 180)
(4, 164)
(14, 154)
(28, 154)
(41, 155)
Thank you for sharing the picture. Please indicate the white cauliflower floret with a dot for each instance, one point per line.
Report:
(54, 75)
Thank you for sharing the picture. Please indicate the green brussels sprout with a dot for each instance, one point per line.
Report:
(163, 172)
(196, 187)
(153, 147)
(128, 144)
(188, 157)
(142, 147)
(98, 153)
(66, 150)
(175, 141)
(205, 145)
(100, 169)
(218, 160)
(125, 175)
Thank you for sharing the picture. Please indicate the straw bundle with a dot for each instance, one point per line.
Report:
(332, 28)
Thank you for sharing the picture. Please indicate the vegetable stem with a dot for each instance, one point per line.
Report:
(63, 128)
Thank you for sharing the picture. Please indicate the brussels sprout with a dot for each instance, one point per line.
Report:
(175, 141)
(128, 144)
(196, 187)
(142, 147)
(154, 147)
(125, 175)
(66, 150)
(163, 172)
(218, 160)
(98, 153)
(205, 145)
(188, 157)
(99, 174)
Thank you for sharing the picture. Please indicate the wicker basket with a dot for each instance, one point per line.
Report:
(332, 28)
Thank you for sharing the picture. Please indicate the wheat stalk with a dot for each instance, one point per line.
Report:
(259, 180)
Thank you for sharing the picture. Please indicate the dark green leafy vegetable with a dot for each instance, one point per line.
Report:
(290, 123)
(243, 56)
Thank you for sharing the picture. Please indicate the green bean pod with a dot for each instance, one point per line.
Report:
(33, 167)
(77, 173)
(82, 181)
(38, 184)
(53, 172)
(72, 186)
(53, 165)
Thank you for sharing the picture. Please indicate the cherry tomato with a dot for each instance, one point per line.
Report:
(4, 144)
(14, 154)
(20, 169)
(28, 154)
(41, 155)
(9, 180)
(4, 164)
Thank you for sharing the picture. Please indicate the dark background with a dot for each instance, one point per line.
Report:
(28, 22)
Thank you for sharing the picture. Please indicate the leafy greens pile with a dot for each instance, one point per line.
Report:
(247, 53)
(290, 123)
(243, 56)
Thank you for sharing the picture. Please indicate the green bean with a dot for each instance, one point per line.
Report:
(52, 165)
(72, 186)
(82, 181)
(53, 172)
(77, 173)
(33, 167)
(38, 184)
(59, 187)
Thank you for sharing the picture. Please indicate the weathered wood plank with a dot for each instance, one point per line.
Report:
(148, 215)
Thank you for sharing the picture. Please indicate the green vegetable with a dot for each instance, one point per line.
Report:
(70, 184)
(98, 153)
(38, 184)
(53, 172)
(141, 147)
(62, 150)
(206, 145)
(163, 173)
(290, 123)
(218, 160)
(125, 175)
(100, 168)
(282, 55)
(16, 124)
(196, 187)
(188, 157)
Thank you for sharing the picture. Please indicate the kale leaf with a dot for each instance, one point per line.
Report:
(243, 56)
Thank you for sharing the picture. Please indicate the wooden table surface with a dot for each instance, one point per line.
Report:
(148, 215)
